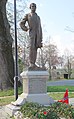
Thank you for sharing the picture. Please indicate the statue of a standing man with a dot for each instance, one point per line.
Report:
(35, 32)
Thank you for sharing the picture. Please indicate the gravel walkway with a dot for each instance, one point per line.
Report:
(3, 115)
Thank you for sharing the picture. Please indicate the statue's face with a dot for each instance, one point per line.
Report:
(33, 8)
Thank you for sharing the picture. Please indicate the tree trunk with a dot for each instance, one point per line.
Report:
(6, 57)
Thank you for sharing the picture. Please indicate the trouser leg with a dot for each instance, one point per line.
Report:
(33, 55)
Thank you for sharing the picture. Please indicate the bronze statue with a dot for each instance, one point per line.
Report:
(35, 33)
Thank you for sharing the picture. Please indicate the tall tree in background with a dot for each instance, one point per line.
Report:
(22, 37)
(52, 55)
(68, 64)
(6, 57)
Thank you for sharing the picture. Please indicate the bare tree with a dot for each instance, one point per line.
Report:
(22, 37)
(68, 62)
(52, 54)
(68, 67)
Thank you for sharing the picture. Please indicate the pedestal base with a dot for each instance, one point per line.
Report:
(11, 109)
(34, 90)
(43, 99)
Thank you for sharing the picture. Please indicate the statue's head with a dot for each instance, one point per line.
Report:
(33, 7)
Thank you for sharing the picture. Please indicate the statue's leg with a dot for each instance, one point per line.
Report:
(33, 55)
(33, 51)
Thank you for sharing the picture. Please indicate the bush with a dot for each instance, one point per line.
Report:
(54, 111)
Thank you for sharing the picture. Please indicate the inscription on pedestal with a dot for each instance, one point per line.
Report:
(37, 86)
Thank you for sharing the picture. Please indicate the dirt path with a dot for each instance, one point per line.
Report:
(6, 97)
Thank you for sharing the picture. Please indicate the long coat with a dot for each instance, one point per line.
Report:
(35, 30)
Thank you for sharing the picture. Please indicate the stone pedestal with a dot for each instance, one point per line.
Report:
(34, 88)
(34, 82)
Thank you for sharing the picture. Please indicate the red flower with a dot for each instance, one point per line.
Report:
(45, 113)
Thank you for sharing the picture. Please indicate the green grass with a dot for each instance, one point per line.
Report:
(7, 96)
(55, 95)
(60, 88)
(6, 100)
(10, 92)
(59, 96)
(56, 92)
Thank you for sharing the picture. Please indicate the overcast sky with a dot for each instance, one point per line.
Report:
(55, 16)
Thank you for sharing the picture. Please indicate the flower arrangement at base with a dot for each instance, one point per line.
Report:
(57, 110)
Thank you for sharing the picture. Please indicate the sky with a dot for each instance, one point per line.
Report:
(57, 20)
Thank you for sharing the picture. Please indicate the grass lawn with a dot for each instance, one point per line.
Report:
(60, 88)
(7, 96)
(6, 100)
(10, 92)
(56, 92)
(59, 96)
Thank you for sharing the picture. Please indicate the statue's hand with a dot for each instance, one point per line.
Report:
(26, 29)
(39, 45)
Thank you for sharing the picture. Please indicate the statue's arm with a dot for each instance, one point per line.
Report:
(23, 22)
